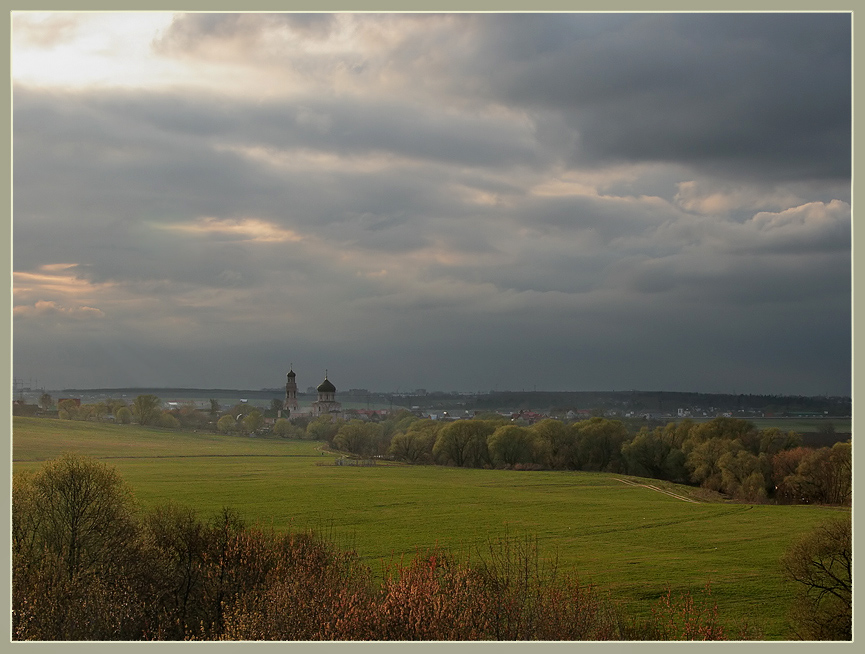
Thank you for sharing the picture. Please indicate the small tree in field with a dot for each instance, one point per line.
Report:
(67, 409)
(80, 511)
(281, 428)
(146, 409)
(251, 422)
(77, 571)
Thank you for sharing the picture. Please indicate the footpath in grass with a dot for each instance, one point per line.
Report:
(632, 541)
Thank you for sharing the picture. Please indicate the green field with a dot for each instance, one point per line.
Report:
(632, 541)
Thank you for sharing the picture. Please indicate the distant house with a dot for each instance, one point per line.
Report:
(270, 416)
(369, 414)
(530, 417)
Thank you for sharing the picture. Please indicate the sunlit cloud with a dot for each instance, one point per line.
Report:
(75, 50)
(564, 187)
(246, 229)
(45, 308)
(480, 197)
(709, 199)
(303, 159)
(812, 215)
(51, 279)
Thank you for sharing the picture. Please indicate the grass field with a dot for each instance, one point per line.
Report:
(630, 540)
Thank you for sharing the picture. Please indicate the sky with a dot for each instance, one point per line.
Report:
(471, 202)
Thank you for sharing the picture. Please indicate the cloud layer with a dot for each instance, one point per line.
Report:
(470, 202)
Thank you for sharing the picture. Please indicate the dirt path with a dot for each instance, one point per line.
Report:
(660, 490)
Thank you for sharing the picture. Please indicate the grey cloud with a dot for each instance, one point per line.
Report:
(609, 218)
(383, 125)
(701, 275)
(120, 159)
(718, 92)
(759, 95)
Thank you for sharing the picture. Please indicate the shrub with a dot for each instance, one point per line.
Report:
(312, 592)
(169, 421)
(226, 424)
(683, 617)
(282, 428)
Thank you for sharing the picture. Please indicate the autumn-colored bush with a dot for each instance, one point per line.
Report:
(314, 592)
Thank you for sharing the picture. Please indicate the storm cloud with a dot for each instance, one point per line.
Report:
(454, 202)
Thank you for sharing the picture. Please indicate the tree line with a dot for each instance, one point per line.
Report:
(147, 410)
(87, 564)
(726, 455)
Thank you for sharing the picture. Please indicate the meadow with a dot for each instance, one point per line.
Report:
(630, 541)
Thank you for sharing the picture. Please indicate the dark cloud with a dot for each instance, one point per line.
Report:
(736, 94)
(598, 201)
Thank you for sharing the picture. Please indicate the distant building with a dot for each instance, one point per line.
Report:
(367, 414)
(291, 391)
(326, 403)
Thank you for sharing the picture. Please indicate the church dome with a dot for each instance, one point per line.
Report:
(291, 373)
(326, 387)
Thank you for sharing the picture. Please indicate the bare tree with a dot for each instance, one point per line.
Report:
(822, 564)
(146, 409)
(75, 509)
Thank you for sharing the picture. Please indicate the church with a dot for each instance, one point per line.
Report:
(326, 403)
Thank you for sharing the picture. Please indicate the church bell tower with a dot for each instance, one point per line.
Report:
(291, 390)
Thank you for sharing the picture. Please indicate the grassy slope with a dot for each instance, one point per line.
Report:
(633, 541)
